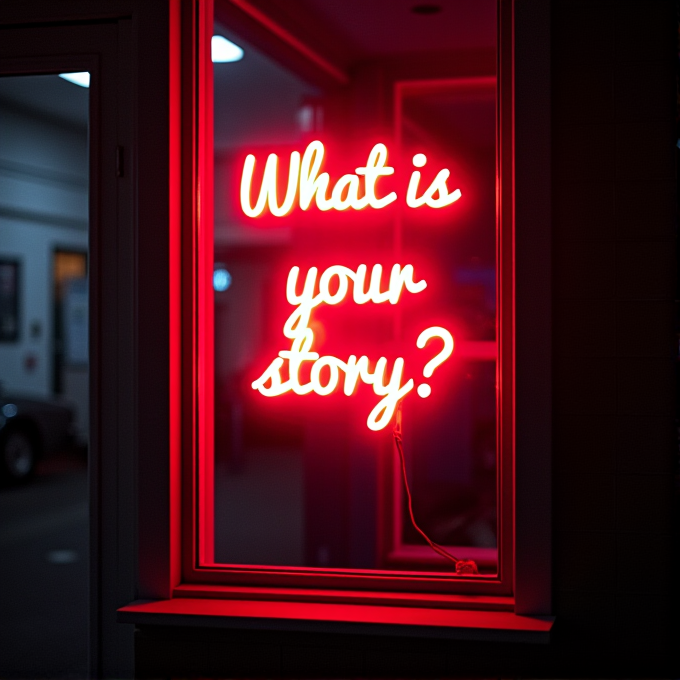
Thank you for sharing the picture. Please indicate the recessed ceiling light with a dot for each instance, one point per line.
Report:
(82, 78)
(426, 9)
(224, 50)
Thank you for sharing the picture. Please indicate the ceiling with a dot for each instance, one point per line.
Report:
(357, 30)
(349, 31)
(49, 97)
(246, 89)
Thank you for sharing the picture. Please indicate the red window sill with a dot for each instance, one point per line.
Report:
(363, 597)
(336, 617)
(486, 558)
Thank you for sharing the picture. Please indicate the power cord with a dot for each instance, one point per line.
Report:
(463, 567)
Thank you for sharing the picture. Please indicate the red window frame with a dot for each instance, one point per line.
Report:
(161, 499)
(196, 571)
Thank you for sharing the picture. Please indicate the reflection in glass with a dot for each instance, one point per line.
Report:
(300, 480)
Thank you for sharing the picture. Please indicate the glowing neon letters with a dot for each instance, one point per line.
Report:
(354, 370)
(438, 359)
(307, 184)
(400, 278)
(438, 186)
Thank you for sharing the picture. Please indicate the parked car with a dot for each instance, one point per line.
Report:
(31, 428)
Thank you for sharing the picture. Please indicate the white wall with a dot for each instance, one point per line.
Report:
(43, 207)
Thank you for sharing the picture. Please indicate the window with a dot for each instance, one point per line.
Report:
(186, 566)
(329, 307)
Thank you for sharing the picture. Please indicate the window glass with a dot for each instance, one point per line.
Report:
(365, 279)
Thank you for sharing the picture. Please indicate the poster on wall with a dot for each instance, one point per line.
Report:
(9, 300)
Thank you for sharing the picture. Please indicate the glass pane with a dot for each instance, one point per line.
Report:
(396, 272)
(450, 442)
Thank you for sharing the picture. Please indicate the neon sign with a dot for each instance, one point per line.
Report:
(306, 184)
(354, 370)
(438, 186)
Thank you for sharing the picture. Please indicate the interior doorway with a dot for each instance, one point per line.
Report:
(102, 213)
(44, 499)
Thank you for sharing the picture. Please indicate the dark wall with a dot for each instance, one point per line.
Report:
(615, 348)
(615, 446)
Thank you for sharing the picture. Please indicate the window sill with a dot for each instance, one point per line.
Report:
(419, 555)
(341, 618)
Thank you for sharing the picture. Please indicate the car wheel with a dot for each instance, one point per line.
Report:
(18, 455)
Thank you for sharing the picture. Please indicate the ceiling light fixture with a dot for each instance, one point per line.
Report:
(224, 50)
(81, 78)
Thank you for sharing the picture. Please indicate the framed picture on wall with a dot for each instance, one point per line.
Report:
(9, 300)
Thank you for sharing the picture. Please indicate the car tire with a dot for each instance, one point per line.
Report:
(18, 455)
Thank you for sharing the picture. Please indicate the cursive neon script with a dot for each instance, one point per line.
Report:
(307, 184)
(400, 278)
(354, 370)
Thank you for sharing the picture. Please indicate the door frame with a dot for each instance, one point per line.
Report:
(90, 48)
(125, 46)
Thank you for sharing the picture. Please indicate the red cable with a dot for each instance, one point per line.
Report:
(435, 546)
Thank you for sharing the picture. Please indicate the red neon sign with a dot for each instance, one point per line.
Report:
(306, 183)
(354, 370)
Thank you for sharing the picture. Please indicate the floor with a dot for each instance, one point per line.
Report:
(44, 574)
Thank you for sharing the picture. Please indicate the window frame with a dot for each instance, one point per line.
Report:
(524, 101)
(198, 564)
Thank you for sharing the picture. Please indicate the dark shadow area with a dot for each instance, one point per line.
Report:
(44, 573)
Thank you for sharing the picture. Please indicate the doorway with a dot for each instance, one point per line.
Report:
(44, 199)
(99, 41)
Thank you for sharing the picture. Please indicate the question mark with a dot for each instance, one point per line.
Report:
(425, 390)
